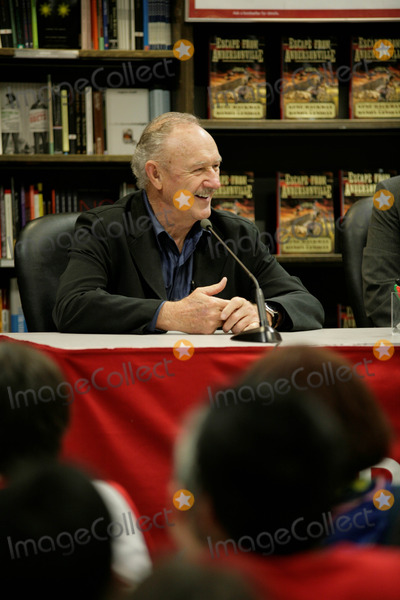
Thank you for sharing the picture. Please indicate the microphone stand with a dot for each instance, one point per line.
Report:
(264, 334)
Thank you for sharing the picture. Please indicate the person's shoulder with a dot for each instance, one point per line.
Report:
(120, 206)
(392, 184)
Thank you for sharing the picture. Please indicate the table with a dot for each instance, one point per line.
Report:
(131, 393)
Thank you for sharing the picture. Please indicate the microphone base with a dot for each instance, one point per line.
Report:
(264, 335)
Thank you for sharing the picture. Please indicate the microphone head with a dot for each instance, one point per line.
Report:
(206, 224)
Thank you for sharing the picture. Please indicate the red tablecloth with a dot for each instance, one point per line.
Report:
(125, 416)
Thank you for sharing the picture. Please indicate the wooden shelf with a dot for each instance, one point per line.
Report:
(65, 158)
(7, 262)
(44, 53)
(282, 125)
(309, 258)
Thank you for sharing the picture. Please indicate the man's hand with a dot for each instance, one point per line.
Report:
(240, 315)
(199, 312)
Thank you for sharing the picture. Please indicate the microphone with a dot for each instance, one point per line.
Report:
(265, 333)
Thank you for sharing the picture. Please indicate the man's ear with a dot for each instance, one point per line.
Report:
(154, 174)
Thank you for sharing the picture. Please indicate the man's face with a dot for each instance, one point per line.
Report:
(191, 162)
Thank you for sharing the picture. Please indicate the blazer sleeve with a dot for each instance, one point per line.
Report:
(87, 301)
(381, 257)
(303, 310)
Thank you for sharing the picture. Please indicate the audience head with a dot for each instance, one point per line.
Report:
(339, 385)
(34, 406)
(53, 536)
(179, 579)
(257, 469)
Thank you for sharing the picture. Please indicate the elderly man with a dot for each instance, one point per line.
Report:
(145, 265)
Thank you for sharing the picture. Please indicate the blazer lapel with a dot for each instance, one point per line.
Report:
(143, 245)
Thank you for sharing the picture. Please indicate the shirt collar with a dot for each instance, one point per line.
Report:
(196, 231)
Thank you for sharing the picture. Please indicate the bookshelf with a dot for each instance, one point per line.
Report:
(264, 147)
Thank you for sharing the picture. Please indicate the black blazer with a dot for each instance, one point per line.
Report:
(381, 257)
(114, 284)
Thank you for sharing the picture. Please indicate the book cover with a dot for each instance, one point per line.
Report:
(305, 213)
(375, 81)
(359, 184)
(237, 82)
(310, 86)
(127, 114)
(236, 194)
(58, 23)
(345, 316)
(8, 224)
(24, 118)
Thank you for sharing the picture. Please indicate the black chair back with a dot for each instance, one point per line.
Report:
(354, 231)
(41, 256)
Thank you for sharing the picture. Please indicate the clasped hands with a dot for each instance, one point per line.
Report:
(202, 312)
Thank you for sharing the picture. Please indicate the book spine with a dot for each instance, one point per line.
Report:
(35, 38)
(72, 135)
(100, 24)
(98, 122)
(78, 120)
(57, 120)
(3, 247)
(15, 210)
(18, 323)
(105, 25)
(112, 24)
(5, 311)
(145, 24)
(25, 23)
(64, 121)
(50, 114)
(13, 24)
(132, 25)
(89, 119)
(40, 200)
(138, 24)
(18, 14)
(8, 219)
(22, 215)
(94, 24)
(5, 25)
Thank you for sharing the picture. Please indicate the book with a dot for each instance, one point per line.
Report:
(5, 321)
(127, 114)
(59, 23)
(112, 25)
(236, 194)
(310, 85)
(57, 119)
(18, 323)
(305, 213)
(375, 81)
(345, 316)
(359, 184)
(87, 120)
(237, 82)
(24, 118)
(64, 121)
(98, 122)
(6, 32)
(86, 37)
